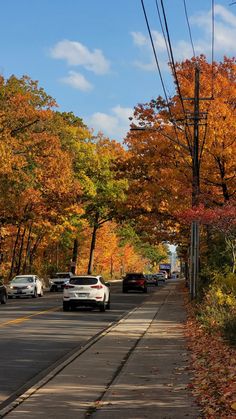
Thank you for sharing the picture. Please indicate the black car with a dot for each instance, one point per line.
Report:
(134, 281)
(3, 293)
(59, 280)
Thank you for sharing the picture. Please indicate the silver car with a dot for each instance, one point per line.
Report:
(25, 285)
(86, 291)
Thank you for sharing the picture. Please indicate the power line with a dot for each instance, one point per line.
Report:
(159, 69)
(212, 45)
(187, 133)
(162, 29)
(189, 28)
(154, 52)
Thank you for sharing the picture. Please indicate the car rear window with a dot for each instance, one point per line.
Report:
(62, 275)
(130, 277)
(83, 281)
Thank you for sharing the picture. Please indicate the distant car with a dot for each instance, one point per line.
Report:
(134, 281)
(86, 291)
(3, 293)
(165, 273)
(25, 285)
(160, 276)
(59, 280)
(152, 279)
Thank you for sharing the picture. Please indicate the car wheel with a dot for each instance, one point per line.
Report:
(66, 306)
(102, 307)
(35, 293)
(156, 284)
(125, 290)
(145, 290)
(4, 299)
(108, 305)
(41, 292)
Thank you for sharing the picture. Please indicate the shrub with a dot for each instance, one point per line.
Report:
(217, 311)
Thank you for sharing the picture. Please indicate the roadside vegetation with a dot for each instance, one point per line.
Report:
(70, 199)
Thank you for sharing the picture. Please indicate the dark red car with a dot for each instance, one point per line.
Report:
(134, 281)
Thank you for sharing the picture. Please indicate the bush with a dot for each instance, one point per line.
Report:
(217, 311)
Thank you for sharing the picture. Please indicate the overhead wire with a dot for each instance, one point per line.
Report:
(158, 66)
(154, 52)
(212, 70)
(162, 29)
(212, 44)
(187, 132)
(189, 28)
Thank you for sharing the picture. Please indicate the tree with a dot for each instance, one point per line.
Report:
(160, 163)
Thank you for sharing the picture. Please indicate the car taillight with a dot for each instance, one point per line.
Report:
(68, 286)
(140, 281)
(98, 287)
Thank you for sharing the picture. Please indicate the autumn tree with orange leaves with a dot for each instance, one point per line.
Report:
(161, 152)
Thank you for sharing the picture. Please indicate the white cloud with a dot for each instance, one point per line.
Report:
(76, 54)
(114, 125)
(139, 39)
(225, 35)
(145, 47)
(225, 30)
(77, 80)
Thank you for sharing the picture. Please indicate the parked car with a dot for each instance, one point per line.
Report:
(152, 279)
(161, 276)
(25, 285)
(3, 293)
(59, 280)
(165, 273)
(134, 281)
(86, 291)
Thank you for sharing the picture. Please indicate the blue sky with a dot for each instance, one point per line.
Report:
(94, 56)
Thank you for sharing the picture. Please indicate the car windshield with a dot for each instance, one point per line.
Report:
(22, 279)
(83, 281)
(62, 275)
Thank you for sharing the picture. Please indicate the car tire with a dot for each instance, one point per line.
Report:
(41, 292)
(35, 295)
(145, 290)
(4, 299)
(66, 306)
(102, 307)
(125, 290)
(108, 305)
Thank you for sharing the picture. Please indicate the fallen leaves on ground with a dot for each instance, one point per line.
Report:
(213, 364)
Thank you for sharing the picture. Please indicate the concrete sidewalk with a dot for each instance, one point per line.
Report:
(137, 370)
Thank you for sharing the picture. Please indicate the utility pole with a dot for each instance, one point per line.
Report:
(195, 190)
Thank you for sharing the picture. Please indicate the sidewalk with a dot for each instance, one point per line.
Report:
(138, 370)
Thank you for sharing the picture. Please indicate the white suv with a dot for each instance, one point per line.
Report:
(86, 291)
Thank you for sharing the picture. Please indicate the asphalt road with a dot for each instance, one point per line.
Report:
(36, 335)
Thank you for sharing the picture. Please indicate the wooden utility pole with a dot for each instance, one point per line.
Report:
(195, 191)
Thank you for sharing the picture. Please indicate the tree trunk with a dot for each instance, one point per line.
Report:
(20, 251)
(27, 250)
(74, 256)
(14, 252)
(93, 244)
